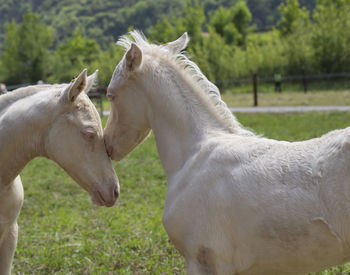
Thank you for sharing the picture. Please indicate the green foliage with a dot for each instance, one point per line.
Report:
(222, 42)
(192, 22)
(326, 50)
(216, 56)
(105, 20)
(233, 23)
(295, 50)
(102, 21)
(266, 14)
(76, 53)
(331, 36)
(222, 23)
(291, 13)
(214, 53)
(25, 56)
(298, 49)
(163, 31)
(106, 62)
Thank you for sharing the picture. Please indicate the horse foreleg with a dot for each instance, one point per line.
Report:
(11, 200)
(7, 247)
(198, 266)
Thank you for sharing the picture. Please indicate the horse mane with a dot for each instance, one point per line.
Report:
(209, 89)
(10, 97)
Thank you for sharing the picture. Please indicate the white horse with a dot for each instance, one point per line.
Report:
(58, 122)
(236, 203)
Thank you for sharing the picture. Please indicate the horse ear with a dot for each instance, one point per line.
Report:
(179, 44)
(90, 81)
(133, 57)
(76, 87)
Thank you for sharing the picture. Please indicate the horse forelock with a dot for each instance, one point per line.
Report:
(190, 68)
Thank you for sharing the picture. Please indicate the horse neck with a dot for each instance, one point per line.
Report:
(23, 124)
(180, 116)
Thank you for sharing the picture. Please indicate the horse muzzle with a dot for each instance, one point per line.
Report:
(105, 194)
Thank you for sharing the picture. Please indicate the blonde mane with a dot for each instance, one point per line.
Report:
(185, 65)
(10, 97)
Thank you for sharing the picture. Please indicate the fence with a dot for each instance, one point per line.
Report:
(14, 87)
(303, 83)
(96, 94)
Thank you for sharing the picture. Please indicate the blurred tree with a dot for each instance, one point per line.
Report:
(70, 57)
(265, 13)
(192, 22)
(233, 23)
(219, 58)
(291, 12)
(26, 51)
(102, 20)
(106, 62)
(221, 23)
(162, 31)
(295, 27)
(331, 36)
(298, 49)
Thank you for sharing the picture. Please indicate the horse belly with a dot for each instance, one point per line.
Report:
(298, 249)
(269, 241)
(259, 225)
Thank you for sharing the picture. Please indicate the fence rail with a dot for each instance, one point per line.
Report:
(268, 79)
(257, 84)
(302, 82)
(14, 87)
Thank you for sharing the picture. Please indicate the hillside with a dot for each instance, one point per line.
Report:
(105, 20)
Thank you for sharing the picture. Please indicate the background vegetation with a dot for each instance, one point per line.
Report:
(53, 40)
(107, 19)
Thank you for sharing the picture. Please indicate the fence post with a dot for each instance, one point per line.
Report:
(255, 90)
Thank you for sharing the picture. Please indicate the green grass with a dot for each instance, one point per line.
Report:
(62, 232)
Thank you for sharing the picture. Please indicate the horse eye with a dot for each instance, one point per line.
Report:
(111, 97)
(88, 134)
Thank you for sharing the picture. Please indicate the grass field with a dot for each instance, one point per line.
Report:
(62, 232)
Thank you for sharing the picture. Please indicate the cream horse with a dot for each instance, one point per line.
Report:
(58, 122)
(236, 203)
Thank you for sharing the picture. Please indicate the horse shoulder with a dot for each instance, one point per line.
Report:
(203, 188)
